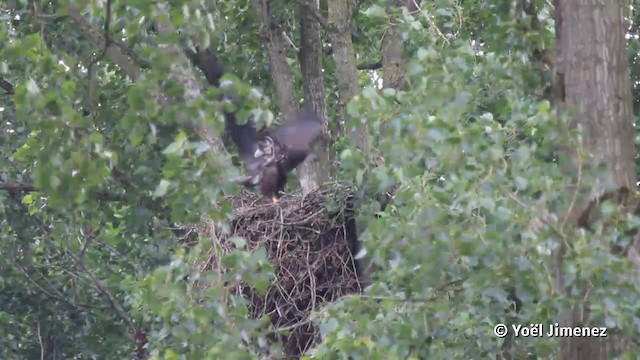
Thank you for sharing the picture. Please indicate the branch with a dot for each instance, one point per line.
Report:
(113, 52)
(181, 71)
(315, 14)
(15, 188)
(6, 86)
(370, 66)
(293, 45)
(107, 22)
(54, 294)
(115, 304)
(40, 341)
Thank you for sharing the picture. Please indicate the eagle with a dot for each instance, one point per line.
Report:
(271, 153)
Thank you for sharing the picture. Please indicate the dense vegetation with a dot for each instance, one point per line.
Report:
(458, 177)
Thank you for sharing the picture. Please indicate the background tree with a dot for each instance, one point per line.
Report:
(110, 145)
(593, 79)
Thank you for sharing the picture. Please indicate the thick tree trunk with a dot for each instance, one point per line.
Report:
(593, 79)
(340, 16)
(283, 79)
(312, 172)
(276, 52)
(594, 72)
(393, 60)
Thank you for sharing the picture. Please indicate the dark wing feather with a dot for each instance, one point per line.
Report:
(245, 137)
(297, 135)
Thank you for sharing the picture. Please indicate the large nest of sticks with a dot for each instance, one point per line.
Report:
(310, 241)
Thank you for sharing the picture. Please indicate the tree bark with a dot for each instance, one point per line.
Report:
(283, 79)
(593, 78)
(181, 70)
(393, 60)
(340, 16)
(313, 172)
(276, 51)
(111, 50)
(594, 72)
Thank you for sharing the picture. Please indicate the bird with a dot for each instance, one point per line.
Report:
(271, 153)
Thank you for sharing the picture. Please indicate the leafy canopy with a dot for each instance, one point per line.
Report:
(470, 149)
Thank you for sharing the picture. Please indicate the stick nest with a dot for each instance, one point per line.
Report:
(309, 241)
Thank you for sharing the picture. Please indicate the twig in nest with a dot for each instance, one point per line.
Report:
(310, 250)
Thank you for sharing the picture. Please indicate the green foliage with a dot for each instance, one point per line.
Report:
(471, 156)
(470, 150)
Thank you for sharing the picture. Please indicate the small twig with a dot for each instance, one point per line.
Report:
(40, 341)
(57, 296)
(293, 45)
(115, 304)
(14, 188)
(431, 23)
(460, 21)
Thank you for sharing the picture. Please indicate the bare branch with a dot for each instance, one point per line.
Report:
(40, 341)
(370, 66)
(115, 304)
(53, 294)
(15, 188)
(113, 52)
(293, 45)
(183, 73)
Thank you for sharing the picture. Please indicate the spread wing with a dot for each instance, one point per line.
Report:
(298, 134)
(259, 152)
(245, 138)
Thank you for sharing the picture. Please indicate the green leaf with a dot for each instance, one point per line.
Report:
(389, 92)
(544, 107)
(375, 11)
(27, 199)
(521, 183)
(162, 188)
(54, 181)
(422, 54)
(137, 98)
(177, 145)
(238, 241)
(369, 93)
(353, 109)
